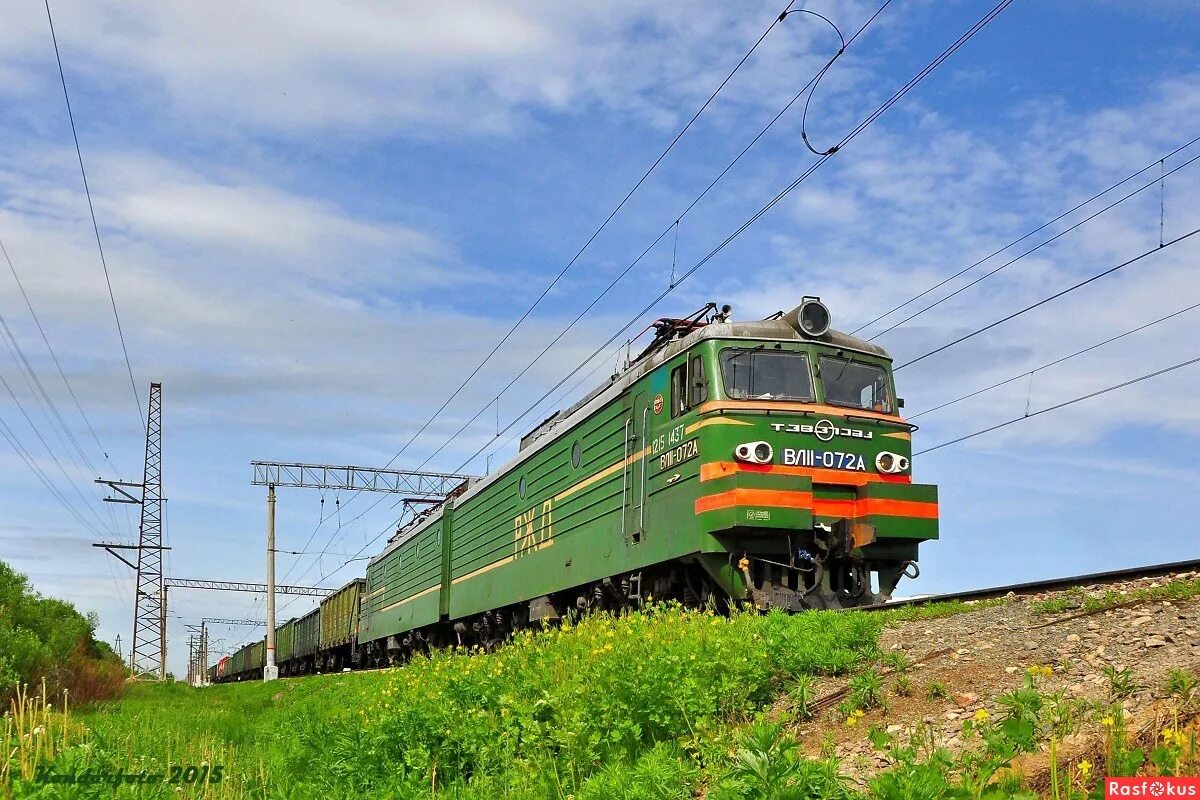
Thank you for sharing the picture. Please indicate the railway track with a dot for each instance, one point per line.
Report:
(1034, 587)
(1026, 588)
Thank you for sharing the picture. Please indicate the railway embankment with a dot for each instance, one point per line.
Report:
(1038, 695)
(1085, 665)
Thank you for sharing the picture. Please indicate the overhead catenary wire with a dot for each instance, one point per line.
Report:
(604, 224)
(1051, 298)
(994, 12)
(1055, 362)
(1058, 406)
(1034, 249)
(1020, 239)
(729, 239)
(816, 82)
(562, 397)
(695, 116)
(672, 227)
(858, 129)
(95, 225)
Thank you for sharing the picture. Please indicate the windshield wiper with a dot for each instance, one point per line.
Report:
(845, 366)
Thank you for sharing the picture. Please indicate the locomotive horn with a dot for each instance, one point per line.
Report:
(810, 318)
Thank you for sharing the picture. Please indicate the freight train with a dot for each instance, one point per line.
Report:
(763, 463)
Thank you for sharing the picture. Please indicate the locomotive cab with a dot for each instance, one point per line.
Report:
(804, 485)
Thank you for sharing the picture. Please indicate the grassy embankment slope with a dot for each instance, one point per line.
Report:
(661, 703)
(646, 705)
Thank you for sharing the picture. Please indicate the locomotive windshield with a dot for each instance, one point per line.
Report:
(758, 374)
(855, 384)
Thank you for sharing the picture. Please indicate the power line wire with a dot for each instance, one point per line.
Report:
(673, 226)
(1055, 362)
(14, 441)
(549, 287)
(856, 131)
(42, 397)
(49, 451)
(1057, 406)
(1044, 301)
(95, 226)
(1034, 249)
(1018, 240)
(54, 356)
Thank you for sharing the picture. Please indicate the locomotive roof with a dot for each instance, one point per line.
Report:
(771, 329)
(775, 328)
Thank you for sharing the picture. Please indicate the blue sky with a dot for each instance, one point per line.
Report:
(316, 219)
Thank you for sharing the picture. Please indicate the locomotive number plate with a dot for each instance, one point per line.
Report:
(677, 455)
(826, 459)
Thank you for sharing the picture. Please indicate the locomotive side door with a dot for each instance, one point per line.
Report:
(637, 450)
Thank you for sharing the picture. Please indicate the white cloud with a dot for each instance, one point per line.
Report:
(286, 324)
(412, 65)
(922, 214)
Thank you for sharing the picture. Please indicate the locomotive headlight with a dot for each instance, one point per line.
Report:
(810, 319)
(754, 452)
(891, 463)
(813, 317)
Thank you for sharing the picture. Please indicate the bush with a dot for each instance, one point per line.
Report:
(43, 639)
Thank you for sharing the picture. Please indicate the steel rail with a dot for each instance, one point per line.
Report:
(1033, 587)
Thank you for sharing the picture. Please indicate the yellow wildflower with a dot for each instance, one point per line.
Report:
(1108, 721)
(1085, 769)
(981, 715)
(851, 721)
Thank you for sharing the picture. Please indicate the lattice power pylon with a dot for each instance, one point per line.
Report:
(148, 655)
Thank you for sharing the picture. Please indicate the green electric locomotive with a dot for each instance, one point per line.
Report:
(760, 462)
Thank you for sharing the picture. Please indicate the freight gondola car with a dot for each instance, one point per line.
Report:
(285, 637)
(307, 637)
(338, 641)
(237, 664)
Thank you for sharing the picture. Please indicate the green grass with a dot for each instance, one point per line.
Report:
(1076, 599)
(935, 610)
(655, 697)
(662, 704)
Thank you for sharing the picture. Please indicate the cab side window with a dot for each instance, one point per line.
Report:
(689, 387)
(697, 381)
(679, 398)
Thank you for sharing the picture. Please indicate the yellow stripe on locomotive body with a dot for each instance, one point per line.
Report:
(766, 458)
(762, 462)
